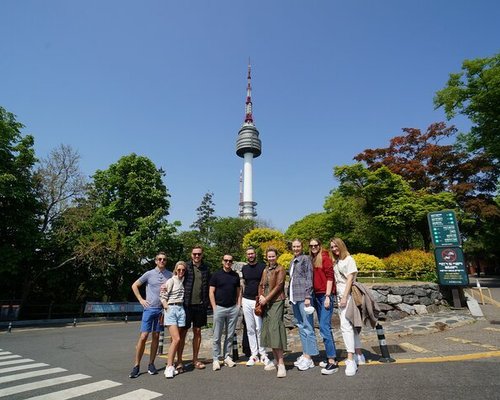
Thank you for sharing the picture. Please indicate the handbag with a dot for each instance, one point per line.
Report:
(259, 308)
(356, 295)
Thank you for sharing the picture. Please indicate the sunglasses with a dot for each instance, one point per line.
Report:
(196, 254)
(314, 245)
(181, 270)
(228, 261)
(161, 259)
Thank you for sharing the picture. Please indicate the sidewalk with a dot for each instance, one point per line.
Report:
(395, 331)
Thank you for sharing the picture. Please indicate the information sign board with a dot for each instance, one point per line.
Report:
(451, 266)
(444, 228)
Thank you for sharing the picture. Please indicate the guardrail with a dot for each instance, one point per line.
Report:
(124, 307)
(372, 274)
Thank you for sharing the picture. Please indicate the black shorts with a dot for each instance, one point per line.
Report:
(196, 315)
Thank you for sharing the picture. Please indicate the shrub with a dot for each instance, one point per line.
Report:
(367, 262)
(412, 264)
(284, 260)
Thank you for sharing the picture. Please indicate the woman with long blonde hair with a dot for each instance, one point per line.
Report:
(172, 299)
(345, 271)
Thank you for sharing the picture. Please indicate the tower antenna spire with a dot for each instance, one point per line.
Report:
(248, 103)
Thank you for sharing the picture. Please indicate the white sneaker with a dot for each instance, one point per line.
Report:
(265, 360)
(350, 367)
(169, 372)
(305, 364)
(270, 367)
(281, 371)
(299, 360)
(323, 364)
(215, 365)
(360, 359)
(228, 362)
(251, 361)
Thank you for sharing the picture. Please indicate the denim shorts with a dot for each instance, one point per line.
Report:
(174, 315)
(151, 320)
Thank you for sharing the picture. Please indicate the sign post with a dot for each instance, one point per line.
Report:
(448, 252)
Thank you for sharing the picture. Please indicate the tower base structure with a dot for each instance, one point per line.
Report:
(248, 210)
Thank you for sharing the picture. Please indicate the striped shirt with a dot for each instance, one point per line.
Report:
(174, 291)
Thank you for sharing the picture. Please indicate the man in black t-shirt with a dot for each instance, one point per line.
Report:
(224, 294)
(252, 272)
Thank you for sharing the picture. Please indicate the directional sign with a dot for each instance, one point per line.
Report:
(451, 266)
(444, 228)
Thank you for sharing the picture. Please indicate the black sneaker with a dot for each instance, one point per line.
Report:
(330, 369)
(152, 369)
(135, 372)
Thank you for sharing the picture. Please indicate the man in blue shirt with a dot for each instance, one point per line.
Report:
(153, 279)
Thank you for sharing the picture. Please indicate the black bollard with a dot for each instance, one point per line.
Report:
(162, 339)
(9, 329)
(235, 347)
(126, 318)
(74, 322)
(384, 350)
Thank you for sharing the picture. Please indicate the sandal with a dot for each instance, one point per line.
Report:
(199, 365)
(179, 368)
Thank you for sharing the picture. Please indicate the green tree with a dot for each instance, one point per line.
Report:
(19, 207)
(128, 205)
(316, 225)
(394, 208)
(475, 93)
(226, 236)
(205, 216)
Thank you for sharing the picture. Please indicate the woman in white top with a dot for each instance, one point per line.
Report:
(172, 299)
(345, 271)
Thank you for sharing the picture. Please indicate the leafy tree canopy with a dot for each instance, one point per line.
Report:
(475, 92)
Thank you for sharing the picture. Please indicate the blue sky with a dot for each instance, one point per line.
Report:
(167, 80)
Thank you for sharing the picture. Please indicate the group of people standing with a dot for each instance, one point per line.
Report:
(181, 300)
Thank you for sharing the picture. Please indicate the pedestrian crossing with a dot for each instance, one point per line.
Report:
(14, 369)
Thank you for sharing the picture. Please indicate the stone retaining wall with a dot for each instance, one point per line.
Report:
(397, 301)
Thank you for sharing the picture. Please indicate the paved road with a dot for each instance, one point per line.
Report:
(92, 361)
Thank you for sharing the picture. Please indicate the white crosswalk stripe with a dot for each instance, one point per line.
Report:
(31, 374)
(22, 367)
(19, 361)
(77, 391)
(140, 394)
(41, 384)
(13, 363)
(2, 358)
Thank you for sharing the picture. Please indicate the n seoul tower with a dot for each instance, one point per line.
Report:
(248, 146)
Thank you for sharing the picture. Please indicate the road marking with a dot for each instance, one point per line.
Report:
(11, 362)
(21, 367)
(492, 329)
(77, 391)
(413, 347)
(140, 394)
(438, 359)
(41, 384)
(32, 374)
(472, 343)
(9, 357)
(4, 353)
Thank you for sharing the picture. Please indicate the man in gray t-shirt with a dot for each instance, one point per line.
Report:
(153, 279)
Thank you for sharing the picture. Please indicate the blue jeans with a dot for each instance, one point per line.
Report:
(325, 324)
(225, 319)
(305, 323)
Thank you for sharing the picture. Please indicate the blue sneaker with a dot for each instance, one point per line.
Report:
(152, 369)
(135, 372)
